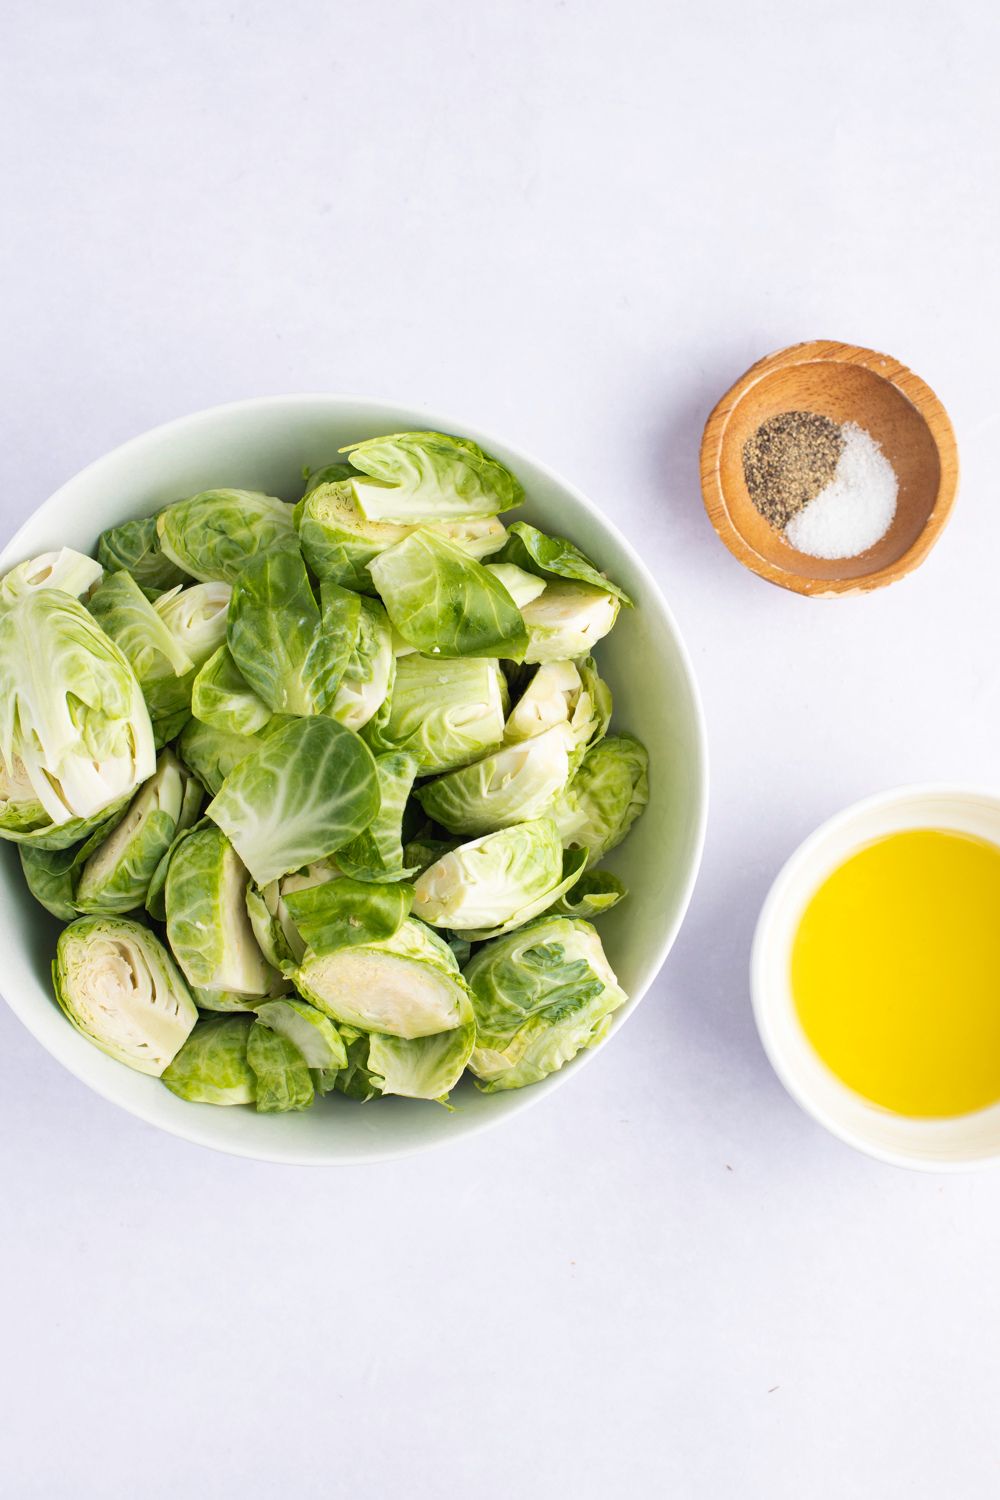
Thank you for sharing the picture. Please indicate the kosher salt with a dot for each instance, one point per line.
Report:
(855, 509)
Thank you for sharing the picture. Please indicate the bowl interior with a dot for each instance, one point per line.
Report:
(963, 1141)
(263, 445)
(844, 392)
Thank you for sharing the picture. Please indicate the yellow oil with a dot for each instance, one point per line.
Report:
(896, 972)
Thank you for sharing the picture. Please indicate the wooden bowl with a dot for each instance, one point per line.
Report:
(845, 384)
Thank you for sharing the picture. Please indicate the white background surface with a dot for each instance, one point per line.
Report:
(576, 223)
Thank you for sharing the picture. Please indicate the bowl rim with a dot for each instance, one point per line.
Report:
(434, 420)
(766, 1002)
(911, 386)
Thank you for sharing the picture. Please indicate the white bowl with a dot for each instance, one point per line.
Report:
(936, 1145)
(263, 444)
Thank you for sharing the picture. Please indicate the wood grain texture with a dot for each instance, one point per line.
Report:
(847, 384)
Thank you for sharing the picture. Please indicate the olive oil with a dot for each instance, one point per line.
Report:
(895, 972)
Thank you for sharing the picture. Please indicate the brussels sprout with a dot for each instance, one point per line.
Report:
(540, 996)
(73, 572)
(212, 1066)
(342, 913)
(605, 797)
(163, 667)
(134, 547)
(408, 986)
(212, 753)
(279, 939)
(292, 654)
(283, 1079)
(118, 985)
(207, 923)
(117, 874)
(567, 619)
(155, 902)
(513, 785)
(562, 692)
(444, 602)
(224, 1000)
(445, 713)
(496, 882)
(214, 535)
(327, 474)
(430, 476)
(52, 874)
(426, 1067)
(307, 790)
(554, 557)
(196, 618)
(377, 853)
(596, 892)
(313, 1033)
(369, 669)
(222, 698)
(521, 586)
(355, 1081)
(73, 723)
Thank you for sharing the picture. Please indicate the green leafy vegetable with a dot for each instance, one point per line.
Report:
(554, 557)
(513, 785)
(134, 547)
(283, 1078)
(495, 880)
(444, 603)
(430, 476)
(444, 713)
(343, 912)
(207, 923)
(222, 698)
(377, 853)
(567, 620)
(212, 1066)
(215, 534)
(605, 797)
(595, 892)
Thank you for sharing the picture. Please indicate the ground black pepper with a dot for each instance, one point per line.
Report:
(788, 460)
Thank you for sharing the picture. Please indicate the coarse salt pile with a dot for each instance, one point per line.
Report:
(856, 508)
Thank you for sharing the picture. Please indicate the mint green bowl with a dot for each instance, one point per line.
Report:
(262, 444)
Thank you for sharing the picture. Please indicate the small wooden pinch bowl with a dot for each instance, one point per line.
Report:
(846, 384)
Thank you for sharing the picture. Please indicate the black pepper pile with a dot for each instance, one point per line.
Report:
(788, 460)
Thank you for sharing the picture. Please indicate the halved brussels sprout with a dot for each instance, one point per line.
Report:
(222, 698)
(207, 923)
(283, 1079)
(496, 881)
(212, 1066)
(426, 1067)
(605, 797)
(513, 785)
(567, 620)
(74, 726)
(540, 996)
(307, 790)
(73, 572)
(215, 534)
(134, 547)
(368, 671)
(445, 713)
(120, 988)
(562, 692)
(407, 986)
(430, 476)
(117, 874)
(444, 602)
(554, 557)
(196, 618)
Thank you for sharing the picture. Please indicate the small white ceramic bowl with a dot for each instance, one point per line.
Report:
(263, 444)
(966, 1141)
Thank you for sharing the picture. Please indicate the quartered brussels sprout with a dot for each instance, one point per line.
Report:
(196, 618)
(553, 557)
(429, 476)
(485, 887)
(284, 1081)
(134, 547)
(368, 671)
(445, 713)
(212, 536)
(444, 603)
(222, 698)
(207, 924)
(408, 986)
(567, 620)
(307, 790)
(70, 571)
(540, 995)
(513, 785)
(605, 797)
(116, 876)
(212, 1066)
(74, 727)
(562, 692)
(120, 987)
